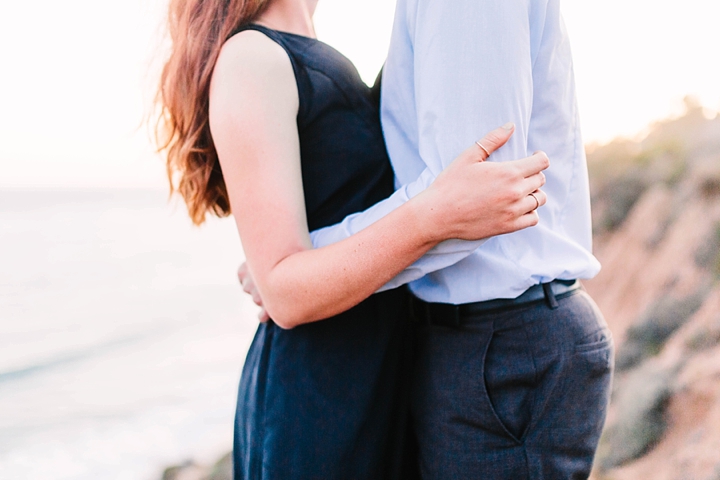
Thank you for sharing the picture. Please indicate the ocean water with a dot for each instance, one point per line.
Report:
(122, 335)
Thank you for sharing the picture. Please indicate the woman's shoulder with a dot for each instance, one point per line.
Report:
(251, 70)
(251, 48)
(252, 60)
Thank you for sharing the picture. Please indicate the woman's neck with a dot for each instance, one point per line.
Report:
(292, 16)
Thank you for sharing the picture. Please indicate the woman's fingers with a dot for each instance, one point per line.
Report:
(541, 197)
(484, 199)
(257, 300)
(529, 203)
(248, 284)
(534, 182)
(493, 140)
(242, 272)
(533, 164)
(533, 201)
(530, 219)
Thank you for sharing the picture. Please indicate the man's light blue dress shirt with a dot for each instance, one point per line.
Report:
(455, 71)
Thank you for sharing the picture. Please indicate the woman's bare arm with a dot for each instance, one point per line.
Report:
(253, 110)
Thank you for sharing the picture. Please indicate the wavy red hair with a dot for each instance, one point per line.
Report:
(198, 29)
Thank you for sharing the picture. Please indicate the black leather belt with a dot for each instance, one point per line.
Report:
(427, 313)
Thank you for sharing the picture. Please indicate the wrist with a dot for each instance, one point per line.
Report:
(428, 219)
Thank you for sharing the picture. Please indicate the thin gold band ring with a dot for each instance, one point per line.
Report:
(483, 148)
(537, 202)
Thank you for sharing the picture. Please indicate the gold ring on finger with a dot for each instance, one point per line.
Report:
(487, 152)
(537, 202)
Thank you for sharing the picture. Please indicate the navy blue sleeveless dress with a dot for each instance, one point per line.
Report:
(329, 400)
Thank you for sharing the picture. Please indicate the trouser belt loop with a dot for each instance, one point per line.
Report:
(550, 296)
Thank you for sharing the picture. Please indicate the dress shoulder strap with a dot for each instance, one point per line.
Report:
(273, 34)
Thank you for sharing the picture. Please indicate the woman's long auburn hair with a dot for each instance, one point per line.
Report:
(198, 29)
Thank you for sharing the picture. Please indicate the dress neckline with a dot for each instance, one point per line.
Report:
(282, 32)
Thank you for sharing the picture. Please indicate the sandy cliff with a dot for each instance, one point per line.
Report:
(656, 207)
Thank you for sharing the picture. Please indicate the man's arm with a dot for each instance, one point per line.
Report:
(555, 125)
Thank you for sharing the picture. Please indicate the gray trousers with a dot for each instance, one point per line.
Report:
(514, 394)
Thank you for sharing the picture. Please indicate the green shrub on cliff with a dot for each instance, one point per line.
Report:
(647, 336)
(641, 400)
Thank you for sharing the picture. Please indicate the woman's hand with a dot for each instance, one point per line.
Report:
(473, 199)
(248, 284)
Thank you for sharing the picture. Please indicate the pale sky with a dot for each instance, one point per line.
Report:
(76, 76)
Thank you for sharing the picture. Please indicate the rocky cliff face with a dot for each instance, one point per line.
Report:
(656, 209)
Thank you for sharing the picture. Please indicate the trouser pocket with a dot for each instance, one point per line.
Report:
(509, 380)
